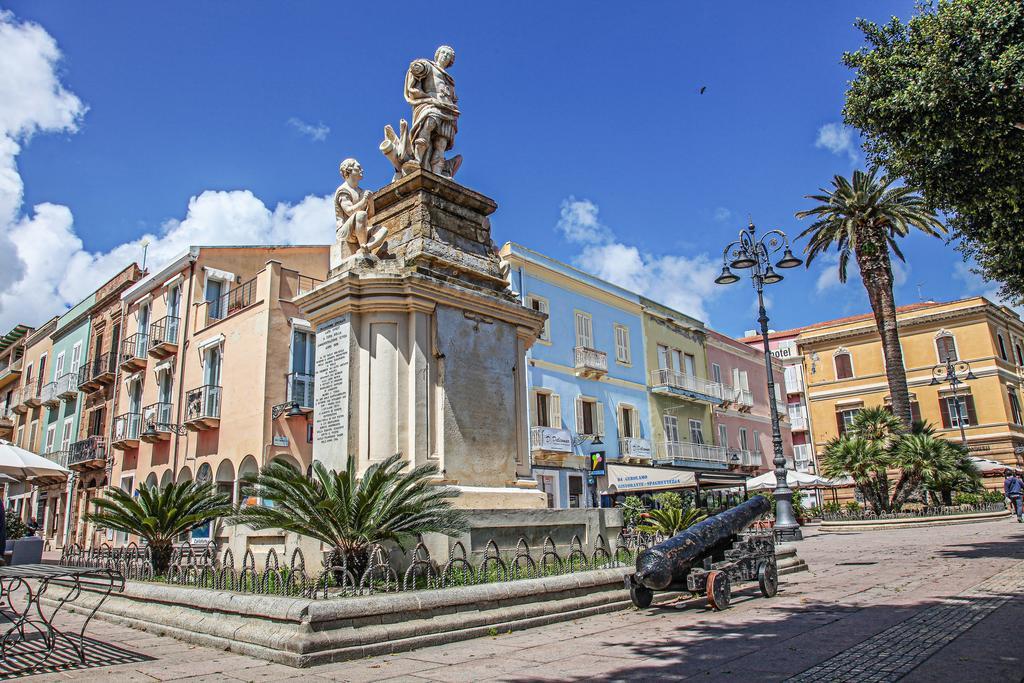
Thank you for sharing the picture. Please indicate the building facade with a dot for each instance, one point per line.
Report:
(216, 370)
(784, 347)
(587, 377)
(12, 351)
(681, 394)
(743, 420)
(845, 370)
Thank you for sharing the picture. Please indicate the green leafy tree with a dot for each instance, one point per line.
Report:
(939, 100)
(670, 521)
(349, 513)
(160, 515)
(865, 218)
(632, 509)
(15, 527)
(668, 499)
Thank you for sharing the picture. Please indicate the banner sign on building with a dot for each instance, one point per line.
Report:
(597, 463)
(627, 478)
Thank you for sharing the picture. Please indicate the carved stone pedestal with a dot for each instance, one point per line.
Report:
(422, 352)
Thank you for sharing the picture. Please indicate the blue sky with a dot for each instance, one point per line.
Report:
(197, 121)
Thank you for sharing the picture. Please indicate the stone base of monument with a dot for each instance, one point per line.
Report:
(421, 350)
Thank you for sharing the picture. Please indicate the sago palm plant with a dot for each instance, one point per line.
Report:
(160, 515)
(348, 513)
(670, 521)
(864, 218)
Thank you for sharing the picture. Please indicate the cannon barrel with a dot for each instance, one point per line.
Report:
(668, 562)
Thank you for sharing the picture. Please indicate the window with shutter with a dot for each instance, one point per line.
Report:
(622, 344)
(584, 330)
(716, 372)
(51, 433)
(580, 426)
(966, 411)
(541, 305)
(625, 421)
(671, 424)
(723, 435)
(1014, 405)
(972, 416)
(1002, 346)
(540, 412)
(696, 431)
(691, 365)
(664, 362)
(743, 439)
(555, 411)
(915, 411)
(946, 347)
(598, 410)
(1020, 356)
(635, 420)
(844, 366)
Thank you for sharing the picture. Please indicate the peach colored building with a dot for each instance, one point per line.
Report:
(211, 344)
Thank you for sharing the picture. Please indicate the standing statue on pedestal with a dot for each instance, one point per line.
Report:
(353, 211)
(430, 89)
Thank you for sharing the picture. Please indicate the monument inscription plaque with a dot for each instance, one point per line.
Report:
(331, 392)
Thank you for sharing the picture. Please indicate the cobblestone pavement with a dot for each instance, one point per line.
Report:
(936, 604)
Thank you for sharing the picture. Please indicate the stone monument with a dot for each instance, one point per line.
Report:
(420, 346)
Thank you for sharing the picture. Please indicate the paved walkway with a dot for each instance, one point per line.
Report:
(937, 604)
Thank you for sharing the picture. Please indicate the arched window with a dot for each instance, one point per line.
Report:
(844, 364)
(204, 473)
(945, 345)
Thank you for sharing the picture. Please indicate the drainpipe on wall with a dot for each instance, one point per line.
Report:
(181, 364)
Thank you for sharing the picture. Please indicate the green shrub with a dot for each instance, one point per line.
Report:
(15, 527)
(817, 511)
(993, 496)
(668, 500)
(832, 508)
(960, 498)
(632, 508)
(852, 507)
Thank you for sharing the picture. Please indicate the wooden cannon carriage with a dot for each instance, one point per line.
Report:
(709, 557)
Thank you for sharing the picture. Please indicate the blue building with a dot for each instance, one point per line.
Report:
(586, 377)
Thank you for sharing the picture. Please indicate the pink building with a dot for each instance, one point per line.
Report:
(743, 422)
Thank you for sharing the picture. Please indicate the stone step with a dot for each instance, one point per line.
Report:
(787, 560)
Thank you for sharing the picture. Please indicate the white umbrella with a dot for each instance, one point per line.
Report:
(796, 480)
(21, 464)
(986, 466)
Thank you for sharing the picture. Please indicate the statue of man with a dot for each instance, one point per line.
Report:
(430, 89)
(353, 211)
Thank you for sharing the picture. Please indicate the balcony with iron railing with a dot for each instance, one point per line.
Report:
(67, 386)
(59, 457)
(11, 372)
(590, 362)
(17, 405)
(691, 452)
(231, 302)
(300, 390)
(669, 382)
(31, 395)
(803, 457)
(295, 284)
(127, 428)
(98, 372)
(158, 415)
(163, 336)
(89, 452)
(635, 448)
(7, 419)
(135, 352)
(739, 457)
(741, 399)
(202, 407)
(798, 420)
(550, 440)
(48, 395)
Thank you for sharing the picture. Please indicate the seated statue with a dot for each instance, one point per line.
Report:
(353, 211)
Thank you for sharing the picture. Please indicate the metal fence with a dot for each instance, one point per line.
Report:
(931, 511)
(286, 574)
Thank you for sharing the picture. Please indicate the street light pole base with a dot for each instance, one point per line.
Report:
(786, 534)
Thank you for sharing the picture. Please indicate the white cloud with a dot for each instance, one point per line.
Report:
(318, 132)
(44, 265)
(976, 285)
(684, 283)
(828, 276)
(836, 138)
(722, 214)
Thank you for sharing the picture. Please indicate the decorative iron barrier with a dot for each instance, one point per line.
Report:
(938, 511)
(204, 567)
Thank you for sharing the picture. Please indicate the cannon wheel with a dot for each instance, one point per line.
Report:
(719, 591)
(641, 596)
(768, 579)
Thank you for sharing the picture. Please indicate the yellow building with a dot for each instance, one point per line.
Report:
(845, 372)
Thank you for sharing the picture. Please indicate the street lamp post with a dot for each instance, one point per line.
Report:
(753, 252)
(950, 371)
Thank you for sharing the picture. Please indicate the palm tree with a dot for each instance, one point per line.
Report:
(863, 460)
(865, 217)
(160, 515)
(670, 521)
(349, 513)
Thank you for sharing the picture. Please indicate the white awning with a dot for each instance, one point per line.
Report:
(164, 366)
(628, 478)
(300, 324)
(144, 300)
(212, 341)
(795, 480)
(132, 378)
(214, 273)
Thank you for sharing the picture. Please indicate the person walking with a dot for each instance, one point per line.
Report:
(1013, 489)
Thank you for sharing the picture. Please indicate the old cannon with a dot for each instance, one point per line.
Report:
(708, 558)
